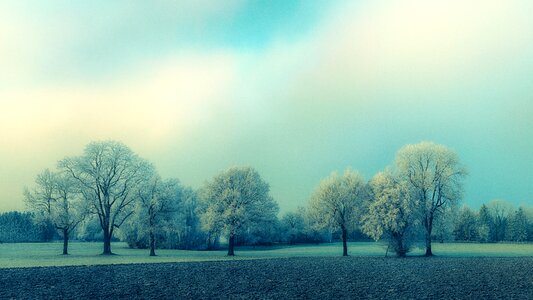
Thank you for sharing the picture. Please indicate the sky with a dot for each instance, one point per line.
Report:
(296, 89)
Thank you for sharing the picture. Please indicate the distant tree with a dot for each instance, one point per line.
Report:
(158, 200)
(393, 214)
(443, 224)
(293, 226)
(17, 227)
(466, 225)
(166, 215)
(211, 222)
(55, 199)
(337, 203)
(263, 227)
(108, 174)
(90, 230)
(236, 199)
(185, 224)
(484, 225)
(517, 229)
(499, 210)
(435, 176)
(529, 214)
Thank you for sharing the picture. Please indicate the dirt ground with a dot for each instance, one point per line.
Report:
(303, 278)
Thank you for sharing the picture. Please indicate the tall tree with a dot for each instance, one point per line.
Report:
(56, 199)
(108, 174)
(393, 213)
(235, 200)
(435, 176)
(337, 203)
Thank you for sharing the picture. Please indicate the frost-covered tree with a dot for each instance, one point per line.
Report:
(298, 227)
(158, 200)
(393, 213)
(263, 227)
(435, 176)
(109, 175)
(337, 203)
(184, 223)
(235, 200)
(56, 199)
(164, 217)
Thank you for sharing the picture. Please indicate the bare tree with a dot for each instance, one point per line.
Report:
(337, 202)
(55, 199)
(157, 198)
(235, 199)
(108, 174)
(436, 178)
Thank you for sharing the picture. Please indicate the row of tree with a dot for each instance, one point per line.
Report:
(495, 222)
(123, 192)
(400, 204)
(113, 191)
(18, 227)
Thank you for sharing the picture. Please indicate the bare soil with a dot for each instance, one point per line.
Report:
(289, 278)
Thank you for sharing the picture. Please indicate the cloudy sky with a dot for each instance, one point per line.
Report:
(296, 89)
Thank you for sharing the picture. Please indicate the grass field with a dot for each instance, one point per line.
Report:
(85, 253)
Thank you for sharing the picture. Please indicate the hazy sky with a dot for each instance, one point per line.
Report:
(296, 89)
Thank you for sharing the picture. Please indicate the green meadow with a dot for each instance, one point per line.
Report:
(88, 253)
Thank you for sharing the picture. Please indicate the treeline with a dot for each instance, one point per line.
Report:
(18, 227)
(110, 193)
(495, 222)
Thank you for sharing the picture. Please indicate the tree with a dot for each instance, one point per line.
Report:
(55, 199)
(19, 227)
(500, 211)
(517, 229)
(336, 203)
(165, 217)
(263, 227)
(435, 176)
(393, 213)
(293, 226)
(190, 234)
(235, 200)
(466, 225)
(158, 199)
(484, 225)
(108, 174)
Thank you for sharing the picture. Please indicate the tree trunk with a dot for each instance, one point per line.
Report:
(428, 246)
(344, 242)
(65, 241)
(107, 242)
(152, 243)
(231, 245)
(429, 228)
(209, 247)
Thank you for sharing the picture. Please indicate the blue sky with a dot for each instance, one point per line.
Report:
(296, 89)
